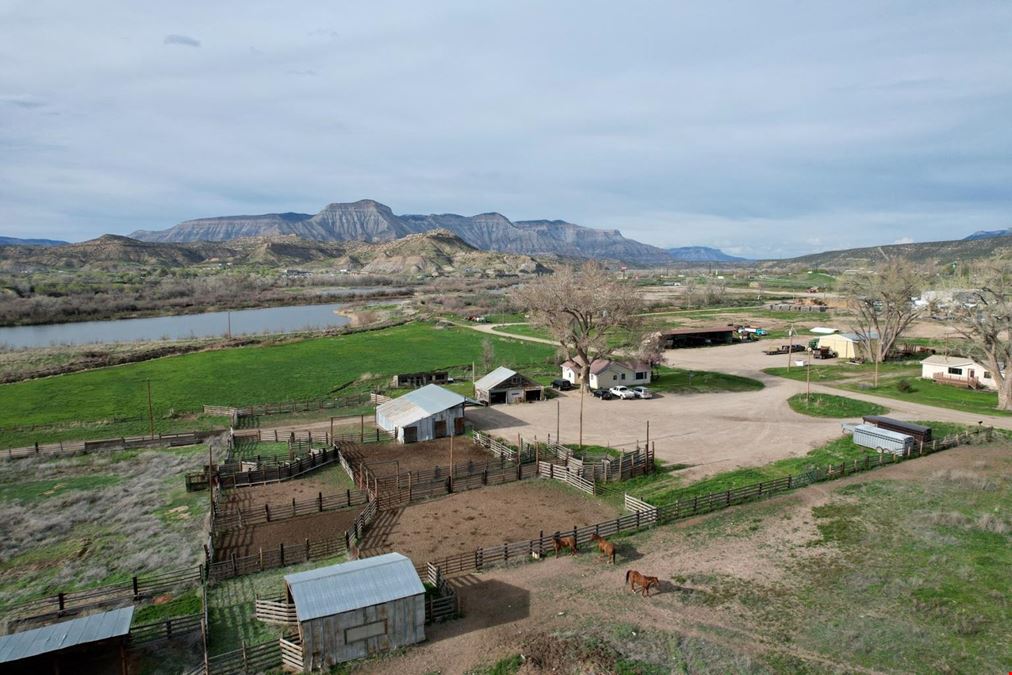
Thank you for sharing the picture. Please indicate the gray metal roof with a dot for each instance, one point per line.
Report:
(419, 404)
(65, 634)
(496, 377)
(340, 588)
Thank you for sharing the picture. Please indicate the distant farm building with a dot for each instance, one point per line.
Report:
(697, 337)
(423, 414)
(848, 345)
(794, 307)
(419, 379)
(957, 370)
(90, 644)
(605, 373)
(503, 385)
(353, 610)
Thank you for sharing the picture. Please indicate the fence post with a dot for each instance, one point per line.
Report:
(267, 510)
(261, 562)
(307, 550)
(61, 598)
(788, 482)
(136, 592)
(281, 552)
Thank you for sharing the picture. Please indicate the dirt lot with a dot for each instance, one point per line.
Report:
(466, 520)
(708, 432)
(331, 480)
(319, 527)
(390, 458)
(776, 586)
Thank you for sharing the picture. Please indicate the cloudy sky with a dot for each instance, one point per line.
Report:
(764, 128)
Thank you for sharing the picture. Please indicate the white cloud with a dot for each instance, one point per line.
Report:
(184, 40)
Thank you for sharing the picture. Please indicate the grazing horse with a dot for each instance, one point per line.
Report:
(563, 543)
(634, 578)
(607, 548)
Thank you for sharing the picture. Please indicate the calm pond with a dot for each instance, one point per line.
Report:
(208, 324)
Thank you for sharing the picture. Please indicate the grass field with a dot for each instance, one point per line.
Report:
(827, 405)
(313, 368)
(679, 381)
(524, 329)
(932, 393)
(838, 372)
(97, 519)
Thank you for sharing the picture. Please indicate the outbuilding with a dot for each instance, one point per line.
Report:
(503, 385)
(957, 370)
(89, 644)
(605, 373)
(355, 609)
(697, 337)
(849, 345)
(423, 414)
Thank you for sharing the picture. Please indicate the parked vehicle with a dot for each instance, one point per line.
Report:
(824, 353)
(622, 391)
(603, 394)
(562, 385)
(642, 392)
(784, 349)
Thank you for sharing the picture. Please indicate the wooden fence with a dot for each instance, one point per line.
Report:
(246, 660)
(635, 505)
(227, 519)
(273, 558)
(566, 475)
(165, 629)
(442, 604)
(291, 653)
(278, 610)
(69, 603)
(493, 445)
(66, 449)
(273, 470)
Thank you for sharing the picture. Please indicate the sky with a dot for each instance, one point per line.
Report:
(767, 129)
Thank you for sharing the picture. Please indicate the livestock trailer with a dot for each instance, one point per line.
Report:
(919, 432)
(883, 440)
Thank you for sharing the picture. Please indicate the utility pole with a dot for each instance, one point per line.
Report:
(808, 381)
(229, 315)
(583, 390)
(790, 346)
(151, 413)
(558, 415)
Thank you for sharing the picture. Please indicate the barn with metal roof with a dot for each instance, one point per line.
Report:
(423, 414)
(504, 385)
(89, 644)
(358, 608)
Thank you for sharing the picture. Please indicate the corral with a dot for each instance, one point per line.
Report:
(391, 458)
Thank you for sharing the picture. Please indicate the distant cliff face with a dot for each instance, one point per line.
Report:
(370, 221)
(702, 254)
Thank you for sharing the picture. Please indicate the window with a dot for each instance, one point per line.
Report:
(987, 375)
(365, 631)
(955, 371)
(641, 376)
(614, 378)
(623, 376)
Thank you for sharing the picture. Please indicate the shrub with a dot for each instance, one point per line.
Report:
(904, 386)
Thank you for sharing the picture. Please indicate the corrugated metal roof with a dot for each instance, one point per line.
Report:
(496, 377)
(340, 588)
(65, 634)
(419, 404)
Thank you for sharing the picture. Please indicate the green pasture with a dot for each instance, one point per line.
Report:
(827, 405)
(679, 381)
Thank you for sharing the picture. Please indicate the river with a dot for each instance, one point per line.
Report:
(209, 324)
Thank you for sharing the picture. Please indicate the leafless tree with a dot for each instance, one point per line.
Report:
(584, 309)
(986, 324)
(651, 350)
(487, 355)
(883, 306)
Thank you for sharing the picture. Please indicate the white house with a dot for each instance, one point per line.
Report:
(956, 370)
(605, 373)
(423, 414)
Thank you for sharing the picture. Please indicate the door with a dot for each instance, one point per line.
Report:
(458, 426)
(410, 434)
(440, 429)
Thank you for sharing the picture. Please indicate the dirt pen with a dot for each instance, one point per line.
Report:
(293, 531)
(391, 458)
(464, 521)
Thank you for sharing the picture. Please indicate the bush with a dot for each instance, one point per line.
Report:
(904, 386)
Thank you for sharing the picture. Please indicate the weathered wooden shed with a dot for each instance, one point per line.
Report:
(503, 385)
(423, 414)
(355, 609)
(89, 644)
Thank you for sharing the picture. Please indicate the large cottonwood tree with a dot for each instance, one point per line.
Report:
(587, 310)
(985, 321)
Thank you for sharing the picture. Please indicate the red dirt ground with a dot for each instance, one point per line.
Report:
(463, 521)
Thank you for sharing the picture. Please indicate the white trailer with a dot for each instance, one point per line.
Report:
(883, 440)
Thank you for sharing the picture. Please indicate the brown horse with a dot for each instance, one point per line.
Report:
(564, 543)
(634, 579)
(607, 548)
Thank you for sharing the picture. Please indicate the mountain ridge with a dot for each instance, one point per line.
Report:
(371, 221)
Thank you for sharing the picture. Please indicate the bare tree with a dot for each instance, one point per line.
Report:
(883, 306)
(986, 323)
(584, 310)
(487, 354)
(651, 350)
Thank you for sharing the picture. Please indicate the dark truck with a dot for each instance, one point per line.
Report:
(784, 349)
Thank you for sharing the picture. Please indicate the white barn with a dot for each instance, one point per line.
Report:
(605, 373)
(423, 414)
(957, 370)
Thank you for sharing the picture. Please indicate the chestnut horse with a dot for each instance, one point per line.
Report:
(563, 543)
(607, 548)
(634, 578)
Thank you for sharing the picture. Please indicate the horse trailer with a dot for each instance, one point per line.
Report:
(883, 440)
(918, 431)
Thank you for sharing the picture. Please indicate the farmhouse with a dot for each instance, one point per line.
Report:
(957, 370)
(91, 644)
(423, 414)
(697, 337)
(503, 385)
(847, 345)
(605, 373)
(353, 610)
